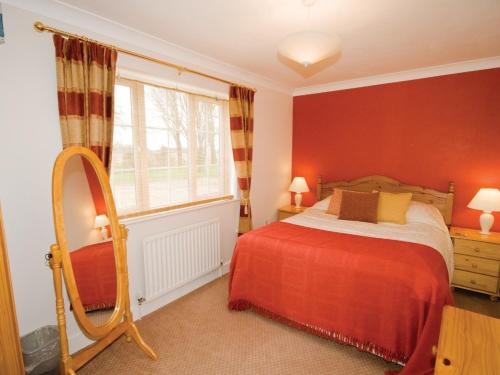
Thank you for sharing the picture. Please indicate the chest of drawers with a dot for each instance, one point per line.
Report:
(289, 210)
(477, 261)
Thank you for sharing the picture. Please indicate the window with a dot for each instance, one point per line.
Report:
(169, 147)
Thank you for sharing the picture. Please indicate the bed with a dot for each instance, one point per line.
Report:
(95, 275)
(379, 287)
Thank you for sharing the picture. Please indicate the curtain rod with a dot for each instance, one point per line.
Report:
(41, 27)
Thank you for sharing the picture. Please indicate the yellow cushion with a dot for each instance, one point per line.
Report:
(392, 207)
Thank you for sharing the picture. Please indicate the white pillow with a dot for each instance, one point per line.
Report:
(420, 212)
(322, 204)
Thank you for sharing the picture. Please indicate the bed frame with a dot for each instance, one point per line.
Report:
(442, 200)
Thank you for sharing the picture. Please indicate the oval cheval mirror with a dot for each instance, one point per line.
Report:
(90, 256)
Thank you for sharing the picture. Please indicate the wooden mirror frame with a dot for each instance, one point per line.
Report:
(121, 321)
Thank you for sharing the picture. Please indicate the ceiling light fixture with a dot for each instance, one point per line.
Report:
(309, 47)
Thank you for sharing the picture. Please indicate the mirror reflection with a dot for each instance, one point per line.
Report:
(89, 241)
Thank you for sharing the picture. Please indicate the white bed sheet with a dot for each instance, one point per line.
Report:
(432, 234)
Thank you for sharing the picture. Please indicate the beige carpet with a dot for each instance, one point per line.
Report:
(197, 335)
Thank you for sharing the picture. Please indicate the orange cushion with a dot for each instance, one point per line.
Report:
(334, 206)
(357, 206)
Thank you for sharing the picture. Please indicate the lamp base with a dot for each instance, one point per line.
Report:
(486, 221)
(104, 233)
(298, 200)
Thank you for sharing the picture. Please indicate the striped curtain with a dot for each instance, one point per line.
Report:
(85, 87)
(241, 120)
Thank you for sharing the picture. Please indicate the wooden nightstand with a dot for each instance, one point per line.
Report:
(477, 261)
(289, 210)
(468, 343)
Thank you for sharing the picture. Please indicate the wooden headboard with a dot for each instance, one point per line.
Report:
(442, 200)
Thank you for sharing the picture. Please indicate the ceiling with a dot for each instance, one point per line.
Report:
(378, 36)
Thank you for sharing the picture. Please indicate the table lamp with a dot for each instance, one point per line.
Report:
(487, 200)
(100, 223)
(298, 186)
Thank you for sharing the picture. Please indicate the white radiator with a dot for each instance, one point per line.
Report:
(177, 257)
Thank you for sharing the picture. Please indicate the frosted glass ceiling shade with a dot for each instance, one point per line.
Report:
(309, 47)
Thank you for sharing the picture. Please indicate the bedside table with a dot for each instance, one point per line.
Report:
(468, 343)
(477, 261)
(289, 210)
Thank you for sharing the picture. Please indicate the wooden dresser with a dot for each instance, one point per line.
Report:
(477, 261)
(289, 210)
(469, 344)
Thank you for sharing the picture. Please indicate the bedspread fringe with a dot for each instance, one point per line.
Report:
(364, 346)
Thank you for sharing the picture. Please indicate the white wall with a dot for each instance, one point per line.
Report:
(272, 164)
(30, 142)
(139, 229)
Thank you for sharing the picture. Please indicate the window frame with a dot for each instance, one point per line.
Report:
(139, 142)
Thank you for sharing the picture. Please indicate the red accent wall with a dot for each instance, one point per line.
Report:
(424, 132)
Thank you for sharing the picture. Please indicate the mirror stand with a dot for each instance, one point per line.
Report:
(120, 323)
(71, 363)
(56, 266)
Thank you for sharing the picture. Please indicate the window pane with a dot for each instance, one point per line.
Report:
(166, 114)
(166, 108)
(123, 105)
(122, 177)
(170, 150)
(209, 179)
(168, 185)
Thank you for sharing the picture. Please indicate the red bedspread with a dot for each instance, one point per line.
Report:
(95, 275)
(382, 296)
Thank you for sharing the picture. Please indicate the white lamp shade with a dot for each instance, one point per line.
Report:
(309, 47)
(486, 200)
(299, 185)
(101, 221)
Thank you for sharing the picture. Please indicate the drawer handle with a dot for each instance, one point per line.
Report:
(446, 362)
(474, 282)
(474, 265)
(477, 249)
